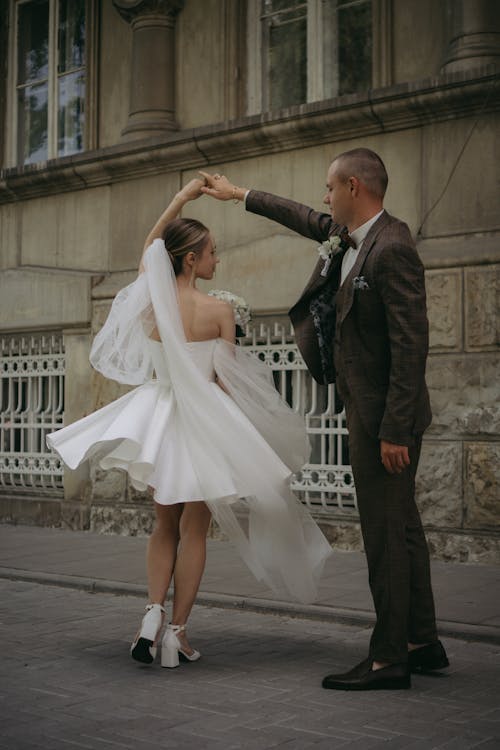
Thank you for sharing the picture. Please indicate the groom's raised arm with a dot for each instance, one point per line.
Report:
(297, 217)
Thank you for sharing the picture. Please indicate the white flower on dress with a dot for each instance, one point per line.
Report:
(242, 315)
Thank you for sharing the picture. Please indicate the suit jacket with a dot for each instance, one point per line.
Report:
(382, 332)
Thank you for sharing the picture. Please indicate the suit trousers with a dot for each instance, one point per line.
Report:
(395, 546)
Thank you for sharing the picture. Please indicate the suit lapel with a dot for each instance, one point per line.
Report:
(368, 243)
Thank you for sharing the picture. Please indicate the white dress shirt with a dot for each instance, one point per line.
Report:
(358, 235)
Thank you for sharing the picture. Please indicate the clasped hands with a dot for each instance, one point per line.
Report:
(215, 185)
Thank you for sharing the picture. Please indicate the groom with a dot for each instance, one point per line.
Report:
(361, 322)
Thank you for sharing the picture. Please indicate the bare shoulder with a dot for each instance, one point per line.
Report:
(216, 307)
(224, 309)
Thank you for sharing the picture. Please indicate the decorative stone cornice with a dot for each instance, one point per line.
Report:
(130, 10)
(389, 109)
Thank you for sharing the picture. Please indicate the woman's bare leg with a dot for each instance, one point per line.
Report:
(190, 563)
(162, 551)
(160, 561)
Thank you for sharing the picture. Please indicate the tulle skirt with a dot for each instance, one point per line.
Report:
(143, 434)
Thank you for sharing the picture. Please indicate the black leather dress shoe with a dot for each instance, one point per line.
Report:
(362, 677)
(428, 658)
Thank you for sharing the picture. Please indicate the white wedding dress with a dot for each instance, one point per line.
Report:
(180, 433)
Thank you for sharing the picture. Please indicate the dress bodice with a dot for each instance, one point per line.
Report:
(201, 353)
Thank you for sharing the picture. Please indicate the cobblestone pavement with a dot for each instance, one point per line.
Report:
(68, 682)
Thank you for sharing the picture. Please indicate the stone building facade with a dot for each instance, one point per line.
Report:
(103, 116)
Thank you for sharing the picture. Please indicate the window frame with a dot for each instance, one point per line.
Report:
(381, 53)
(91, 57)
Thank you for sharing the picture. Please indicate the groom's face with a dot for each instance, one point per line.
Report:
(338, 196)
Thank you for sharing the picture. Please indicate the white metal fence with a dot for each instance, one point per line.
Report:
(31, 405)
(326, 482)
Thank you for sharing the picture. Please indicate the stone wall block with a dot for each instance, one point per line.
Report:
(75, 516)
(107, 485)
(476, 174)
(31, 299)
(444, 307)
(77, 403)
(466, 548)
(69, 230)
(482, 306)
(139, 498)
(464, 395)
(482, 485)
(102, 389)
(9, 235)
(342, 535)
(122, 520)
(30, 511)
(439, 484)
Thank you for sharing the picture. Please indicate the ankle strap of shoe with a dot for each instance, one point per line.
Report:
(152, 606)
(177, 628)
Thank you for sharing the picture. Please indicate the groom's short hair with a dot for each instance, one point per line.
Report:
(367, 166)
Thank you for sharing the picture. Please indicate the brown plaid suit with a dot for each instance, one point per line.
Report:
(379, 350)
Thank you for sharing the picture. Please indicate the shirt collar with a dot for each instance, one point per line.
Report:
(359, 234)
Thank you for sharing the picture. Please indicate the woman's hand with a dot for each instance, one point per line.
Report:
(218, 186)
(192, 189)
(189, 192)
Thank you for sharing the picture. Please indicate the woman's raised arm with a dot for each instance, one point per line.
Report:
(189, 192)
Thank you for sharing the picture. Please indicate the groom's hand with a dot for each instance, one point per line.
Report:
(218, 186)
(394, 457)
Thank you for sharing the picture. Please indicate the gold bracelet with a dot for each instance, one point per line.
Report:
(235, 199)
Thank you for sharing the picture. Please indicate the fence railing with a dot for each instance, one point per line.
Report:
(326, 482)
(31, 405)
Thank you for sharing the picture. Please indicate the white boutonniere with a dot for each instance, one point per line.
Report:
(327, 250)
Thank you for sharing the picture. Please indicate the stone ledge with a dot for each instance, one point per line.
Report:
(475, 249)
(44, 512)
(445, 544)
(389, 109)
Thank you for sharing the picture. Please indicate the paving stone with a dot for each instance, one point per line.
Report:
(257, 686)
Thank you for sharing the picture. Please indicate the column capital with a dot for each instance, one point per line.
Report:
(132, 10)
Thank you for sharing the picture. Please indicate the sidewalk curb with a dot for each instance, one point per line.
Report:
(353, 617)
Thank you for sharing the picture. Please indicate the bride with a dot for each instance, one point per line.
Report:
(205, 431)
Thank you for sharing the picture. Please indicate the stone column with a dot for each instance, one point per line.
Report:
(152, 79)
(474, 34)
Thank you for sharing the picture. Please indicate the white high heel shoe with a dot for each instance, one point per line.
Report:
(144, 647)
(171, 648)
